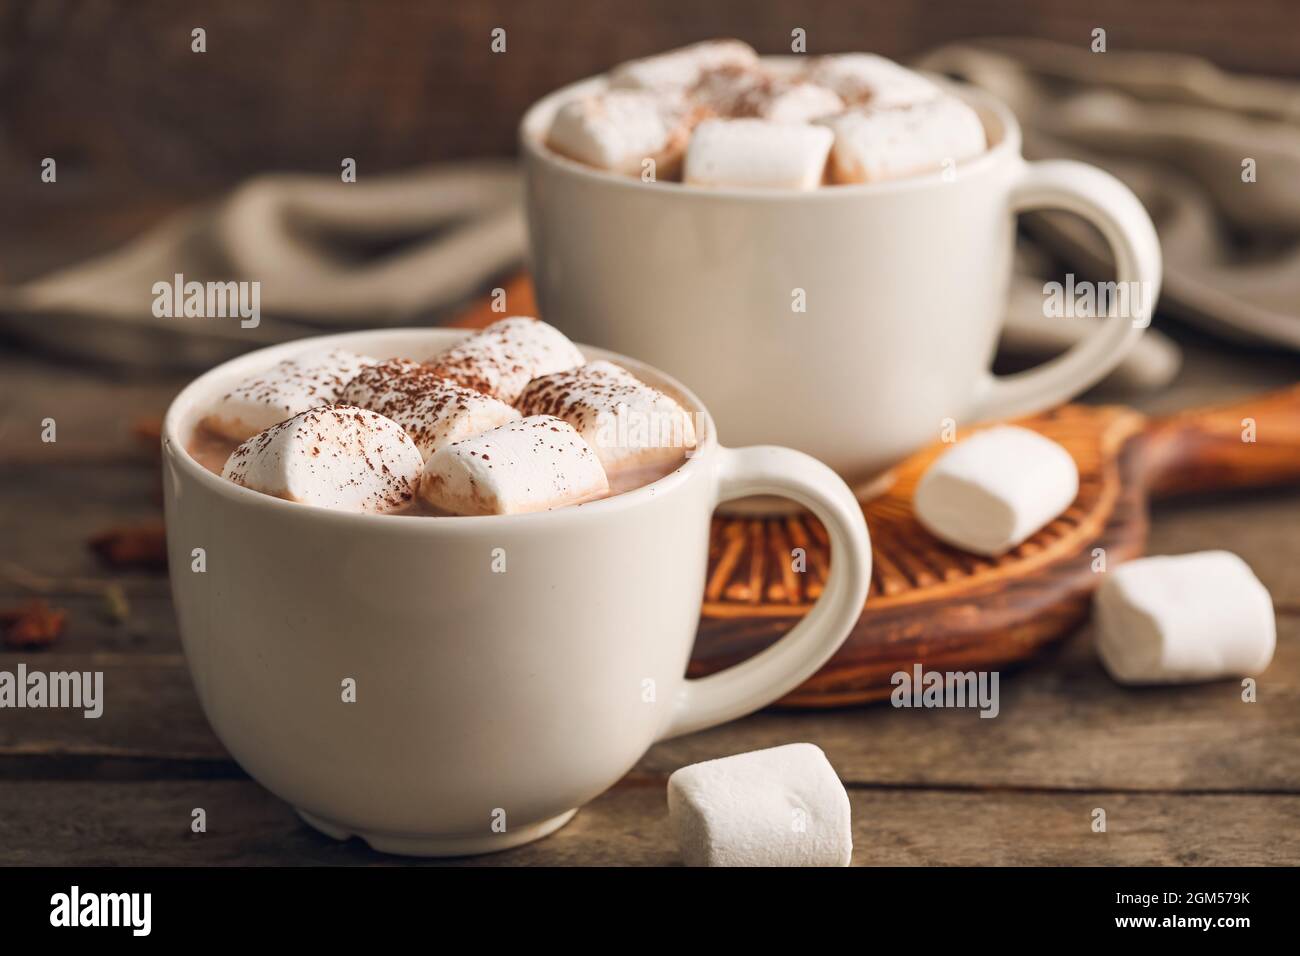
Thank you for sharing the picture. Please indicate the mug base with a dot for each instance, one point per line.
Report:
(400, 844)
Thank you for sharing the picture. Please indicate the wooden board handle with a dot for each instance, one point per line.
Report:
(1248, 444)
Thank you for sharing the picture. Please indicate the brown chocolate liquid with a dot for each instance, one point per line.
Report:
(211, 451)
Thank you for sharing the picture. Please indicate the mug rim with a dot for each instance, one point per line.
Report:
(532, 142)
(175, 450)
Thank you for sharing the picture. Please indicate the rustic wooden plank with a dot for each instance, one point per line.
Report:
(908, 828)
(397, 84)
(94, 411)
(51, 513)
(99, 434)
(149, 823)
(149, 626)
(1063, 725)
(1259, 526)
(149, 711)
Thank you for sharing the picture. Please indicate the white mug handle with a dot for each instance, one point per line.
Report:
(1109, 205)
(773, 672)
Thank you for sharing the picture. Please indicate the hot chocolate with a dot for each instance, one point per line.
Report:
(407, 436)
(715, 115)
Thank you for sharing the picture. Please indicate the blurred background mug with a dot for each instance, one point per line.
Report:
(850, 322)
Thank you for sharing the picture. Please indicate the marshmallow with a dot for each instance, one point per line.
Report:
(876, 144)
(994, 489)
(736, 92)
(754, 152)
(681, 68)
(334, 456)
(621, 129)
(868, 79)
(535, 464)
(283, 391)
(433, 410)
(779, 807)
(504, 357)
(799, 103)
(628, 423)
(1192, 617)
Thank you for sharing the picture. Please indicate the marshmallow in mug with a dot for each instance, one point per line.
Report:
(887, 121)
(282, 391)
(878, 144)
(621, 130)
(783, 806)
(538, 463)
(503, 358)
(757, 153)
(1192, 617)
(433, 410)
(738, 92)
(334, 456)
(866, 79)
(991, 491)
(628, 423)
(681, 68)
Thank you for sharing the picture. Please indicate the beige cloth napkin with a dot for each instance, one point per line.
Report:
(387, 250)
(1176, 129)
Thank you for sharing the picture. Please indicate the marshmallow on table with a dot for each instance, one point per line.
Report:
(868, 79)
(504, 357)
(779, 807)
(534, 464)
(737, 92)
(282, 391)
(877, 144)
(754, 152)
(334, 456)
(433, 410)
(1186, 618)
(621, 129)
(628, 423)
(994, 489)
(681, 68)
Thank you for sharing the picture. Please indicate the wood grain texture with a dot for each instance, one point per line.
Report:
(1214, 449)
(112, 89)
(1063, 724)
(51, 513)
(95, 412)
(131, 823)
(148, 627)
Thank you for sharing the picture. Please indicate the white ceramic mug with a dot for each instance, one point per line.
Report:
(904, 285)
(485, 698)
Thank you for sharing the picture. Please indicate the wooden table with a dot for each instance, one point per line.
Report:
(1188, 775)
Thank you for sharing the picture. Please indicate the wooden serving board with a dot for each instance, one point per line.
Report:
(948, 610)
